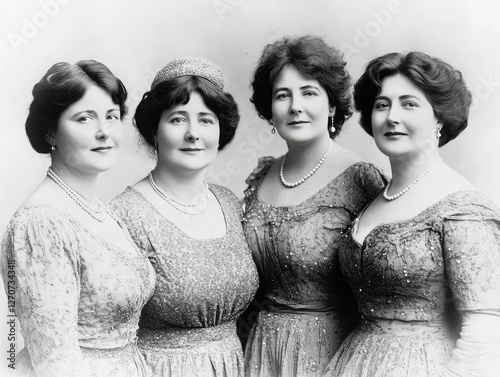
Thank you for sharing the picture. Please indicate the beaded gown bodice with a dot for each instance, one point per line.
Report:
(200, 282)
(295, 247)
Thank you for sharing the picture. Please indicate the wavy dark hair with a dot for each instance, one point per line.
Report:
(442, 84)
(173, 92)
(60, 87)
(314, 59)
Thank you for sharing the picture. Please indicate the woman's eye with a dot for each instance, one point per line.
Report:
(206, 121)
(85, 119)
(281, 95)
(113, 117)
(177, 120)
(310, 93)
(381, 105)
(410, 104)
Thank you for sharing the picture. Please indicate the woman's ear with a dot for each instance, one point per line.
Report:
(49, 137)
(331, 113)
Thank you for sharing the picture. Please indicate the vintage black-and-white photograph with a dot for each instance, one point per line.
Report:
(231, 188)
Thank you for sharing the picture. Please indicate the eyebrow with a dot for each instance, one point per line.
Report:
(403, 97)
(301, 88)
(182, 112)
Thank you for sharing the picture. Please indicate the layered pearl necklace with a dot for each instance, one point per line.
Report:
(98, 214)
(398, 194)
(187, 209)
(308, 175)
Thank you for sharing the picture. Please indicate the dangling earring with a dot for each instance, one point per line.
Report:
(271, 122)
(156, 146)
(332, 127)
(438, 134)
(53, 147)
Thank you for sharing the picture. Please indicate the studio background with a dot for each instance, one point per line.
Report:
(136, 38)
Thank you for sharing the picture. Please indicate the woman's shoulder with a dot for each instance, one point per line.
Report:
(260, 171)
(224, 194)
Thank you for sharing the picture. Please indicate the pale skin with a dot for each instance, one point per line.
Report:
(187, 139)
(405, 129)
(301, 112)
(87, 138)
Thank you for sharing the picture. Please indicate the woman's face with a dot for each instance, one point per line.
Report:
(188, 136)
(403, 121)
(300, 107)
(88, 133)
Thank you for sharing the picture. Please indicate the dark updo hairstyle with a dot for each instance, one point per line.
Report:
(176, 91)
(442, 84)
(314, 59)
(60, 87)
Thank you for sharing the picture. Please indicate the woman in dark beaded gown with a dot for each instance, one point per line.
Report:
(297, 208)
(423, 258)
(191, 230)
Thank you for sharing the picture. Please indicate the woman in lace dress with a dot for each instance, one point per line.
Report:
(298, 207)
(424, 257)
(190, 230)
(75, 279)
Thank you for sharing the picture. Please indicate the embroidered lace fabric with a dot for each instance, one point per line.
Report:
(306, 306)
(188, 327)
(77, 297)
(415, 282)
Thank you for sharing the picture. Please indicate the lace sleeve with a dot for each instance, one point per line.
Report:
(472, 263)
(47, 287)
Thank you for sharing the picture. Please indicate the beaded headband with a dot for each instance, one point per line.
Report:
(190, 66)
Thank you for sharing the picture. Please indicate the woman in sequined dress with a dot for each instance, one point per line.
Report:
(191, 230)
(424, 257)
(74, 277)
(298, 207)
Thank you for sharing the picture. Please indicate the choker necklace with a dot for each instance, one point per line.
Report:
(178, 205)
(398, 194)
(302, 180)
(98, 214)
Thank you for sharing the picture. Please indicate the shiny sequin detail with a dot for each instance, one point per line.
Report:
(78, 297)
(188, 327)
(413, 280)
(308, 307)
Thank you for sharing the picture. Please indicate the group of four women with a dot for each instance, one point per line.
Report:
(350, 275)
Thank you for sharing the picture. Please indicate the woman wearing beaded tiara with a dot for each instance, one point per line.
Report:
(80, 282)
(299, 205)
(423, 258)
(190, 230)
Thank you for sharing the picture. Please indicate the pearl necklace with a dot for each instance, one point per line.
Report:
(302, 180)
(398, 194)
(179, 206)
(98, 214)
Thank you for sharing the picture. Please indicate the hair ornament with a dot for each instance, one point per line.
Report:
(190, 66)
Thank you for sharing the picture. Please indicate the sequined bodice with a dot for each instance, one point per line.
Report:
(407, 270)
(295, 247)
(200, 283)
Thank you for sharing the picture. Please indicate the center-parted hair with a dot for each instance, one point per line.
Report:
(314, 59)
(442, 84)
(63, 85)
(176, 91)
